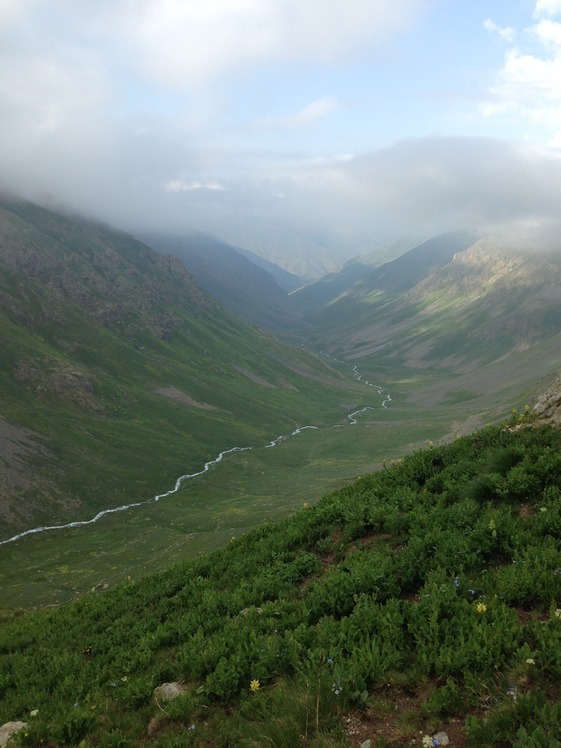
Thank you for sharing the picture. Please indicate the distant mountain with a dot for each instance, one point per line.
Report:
(307, 258)
(287, 281)
(451, 302)
(327, 288)
(119, 373)
(244, 288)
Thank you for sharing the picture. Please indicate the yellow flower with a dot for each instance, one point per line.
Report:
(254, 686)
(481, 607)
(558, 613)
(305, 505)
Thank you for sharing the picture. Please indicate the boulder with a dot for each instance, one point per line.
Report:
(8, 730)
(169, 691)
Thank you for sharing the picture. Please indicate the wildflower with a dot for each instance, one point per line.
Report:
(427, 742)
(471, 592)
(336, 688)
(125, 678)
(254, 685)
(305, 505)
(512, 692)
(192, 727)
(430, 443)
(530, 661)
(557, 613)
(543, 509)
(330, 660)
(456, 582)
(481, 607)
(34, 712)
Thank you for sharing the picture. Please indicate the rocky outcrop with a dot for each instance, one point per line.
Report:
(49, 377)
(547, 406)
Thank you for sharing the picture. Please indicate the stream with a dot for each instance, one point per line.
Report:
(182, 478)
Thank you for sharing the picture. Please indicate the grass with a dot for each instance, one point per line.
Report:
(244, 491)
(396, 607)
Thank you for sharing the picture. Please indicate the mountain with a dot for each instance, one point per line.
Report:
(118, 373)
(285, 280)
(326, 289)
(243, 287)
(305, 257)
(451, 302)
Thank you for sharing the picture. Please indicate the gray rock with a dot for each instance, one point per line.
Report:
(169, 691)
(366, 744)
(8, 730)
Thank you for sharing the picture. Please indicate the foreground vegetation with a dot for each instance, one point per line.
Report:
(426, 597)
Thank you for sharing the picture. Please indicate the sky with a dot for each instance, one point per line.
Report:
(347, 122)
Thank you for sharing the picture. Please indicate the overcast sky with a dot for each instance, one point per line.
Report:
(351, 120)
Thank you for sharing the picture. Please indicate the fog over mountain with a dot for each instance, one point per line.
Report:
(333, 125)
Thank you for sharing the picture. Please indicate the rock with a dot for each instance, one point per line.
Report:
(547, 406)
(366, 744)
(169, 691)
(252, 609)
(8, 730)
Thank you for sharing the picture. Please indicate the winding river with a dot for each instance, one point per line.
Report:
(208, 465)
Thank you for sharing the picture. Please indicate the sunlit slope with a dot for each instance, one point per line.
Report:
(479, 306)
(118, 373)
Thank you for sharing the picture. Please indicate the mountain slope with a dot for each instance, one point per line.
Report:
(326, 289)
(119, 373)
(451, 308)
(242, 287)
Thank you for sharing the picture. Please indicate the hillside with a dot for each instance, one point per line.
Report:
(326, 289)
(422, 601)
(461, 320)
(246, 290)
(119, 374)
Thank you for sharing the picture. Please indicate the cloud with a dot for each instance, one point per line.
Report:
(547, 8)
(507, 33)
(178, 185)
(529, 84)
(425, 185)
(314, 111)
(184, 42)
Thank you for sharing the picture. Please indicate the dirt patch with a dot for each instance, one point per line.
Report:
(173, 393)
(397, 721)
(253, 377)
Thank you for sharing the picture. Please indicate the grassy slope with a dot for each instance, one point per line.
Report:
(423, 597)
(93, 326)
